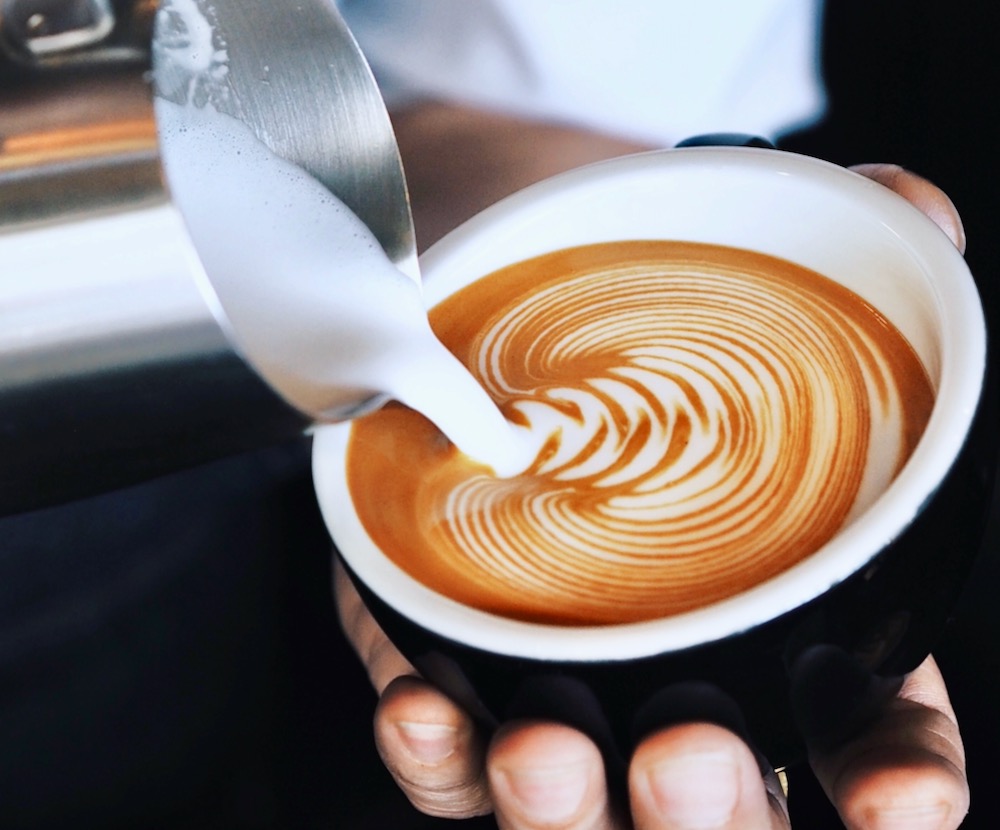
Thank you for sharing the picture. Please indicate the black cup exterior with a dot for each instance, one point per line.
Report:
(814, 674)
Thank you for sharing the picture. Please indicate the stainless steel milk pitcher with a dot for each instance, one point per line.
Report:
(116, 363)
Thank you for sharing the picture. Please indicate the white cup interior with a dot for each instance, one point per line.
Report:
(807, 211)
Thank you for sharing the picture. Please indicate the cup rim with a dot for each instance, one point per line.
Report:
(962, 373)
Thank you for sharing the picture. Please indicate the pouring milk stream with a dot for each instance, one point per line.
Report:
(295, 266)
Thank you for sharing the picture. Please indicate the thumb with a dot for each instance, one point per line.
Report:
(930, 198)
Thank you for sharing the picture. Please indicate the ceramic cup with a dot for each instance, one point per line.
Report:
(808, 654)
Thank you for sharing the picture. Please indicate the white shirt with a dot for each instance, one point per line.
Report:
(651, 70)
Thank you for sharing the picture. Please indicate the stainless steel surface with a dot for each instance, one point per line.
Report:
(115, 364)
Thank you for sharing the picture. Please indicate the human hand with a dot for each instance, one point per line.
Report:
(906, 770)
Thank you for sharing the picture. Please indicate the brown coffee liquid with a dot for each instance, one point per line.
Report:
(706, 418)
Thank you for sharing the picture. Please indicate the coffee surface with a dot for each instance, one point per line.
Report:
(704, 418)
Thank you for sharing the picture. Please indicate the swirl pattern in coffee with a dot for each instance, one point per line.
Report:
(703, 419)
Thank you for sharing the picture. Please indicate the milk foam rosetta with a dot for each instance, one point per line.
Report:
(704, 418)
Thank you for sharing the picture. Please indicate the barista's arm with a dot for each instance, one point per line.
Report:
(460, 160)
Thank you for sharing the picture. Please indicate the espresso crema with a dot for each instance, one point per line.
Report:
(703, 418)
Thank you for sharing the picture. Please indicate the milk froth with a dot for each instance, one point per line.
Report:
(313, 301)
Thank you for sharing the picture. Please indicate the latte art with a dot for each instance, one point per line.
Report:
(703, 419)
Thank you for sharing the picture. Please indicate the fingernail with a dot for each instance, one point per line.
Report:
(428, 743)
(927, 817)
(698, 792)
(549, 794)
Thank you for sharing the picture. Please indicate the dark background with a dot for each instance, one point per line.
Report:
(169, 655)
